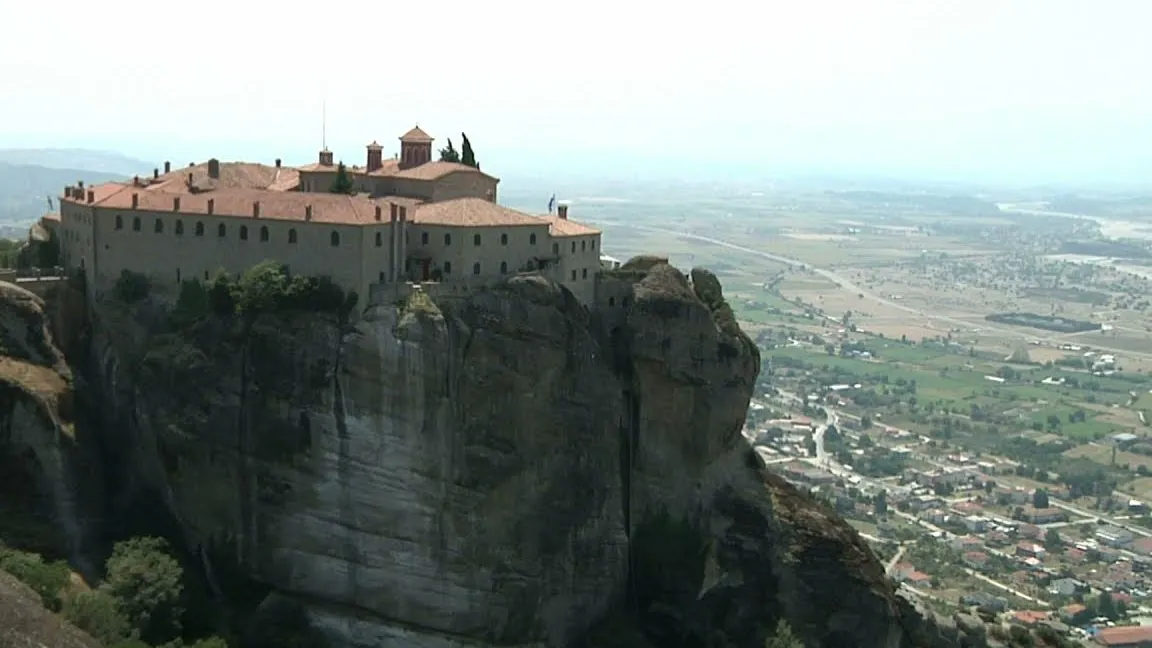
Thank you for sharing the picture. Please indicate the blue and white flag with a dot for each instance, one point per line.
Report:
(551, 203)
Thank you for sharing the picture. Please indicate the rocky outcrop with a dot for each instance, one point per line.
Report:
(26, 623)
(502, 469)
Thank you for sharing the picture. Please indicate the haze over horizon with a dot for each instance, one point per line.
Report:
(1009, 91)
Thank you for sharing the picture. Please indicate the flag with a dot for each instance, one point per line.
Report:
(551, 203)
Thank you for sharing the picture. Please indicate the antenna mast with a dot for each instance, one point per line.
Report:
(324, 125)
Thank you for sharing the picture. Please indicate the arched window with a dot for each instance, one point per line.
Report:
(476, 239)
(264, 233)
(221, 230)
(447, 267)
(292, 235)
(243, 232)
(424, 238)
(179, 227)
(503, 267)
(135, 223)
(476, 268)
(503, 239)
(447, 240)
(334, 238)
(379, 239)
(532, 240)
(119, 221)
(556, 249)
(199, 228)
(158, 227)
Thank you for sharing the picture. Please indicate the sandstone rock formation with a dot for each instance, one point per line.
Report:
(500, 469)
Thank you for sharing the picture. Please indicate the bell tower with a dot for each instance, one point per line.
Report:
(415, 148)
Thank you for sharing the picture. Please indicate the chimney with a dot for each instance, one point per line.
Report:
(562, 211)
(155, 173)
(379, 210)
(256, 209)
(135, 200)
(375, 157)
(211, 206)
(135, 182)
(325, 158)
(167, 167)
(308, 213)
(176, 204)
(91, 195)
(277, 163)
(214, 169)
(80, 183)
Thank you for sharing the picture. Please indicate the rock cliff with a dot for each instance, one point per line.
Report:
(509, 468)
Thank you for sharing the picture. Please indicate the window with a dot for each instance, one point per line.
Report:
(503, 239)
(119, 221)
(593, 244)
(424, 238)
(379, 239)
(583, 246)
(381, 276)
(503, 267)
(292, 235)
(476, 239)
(447, 267)
(334, 239)
(611, 301)
(573, 246)
(199, 228)
(158, 227)
(264, 233)
(556, 249)
(243, 232)
(476, 268)
(205, 275)
(573, 275)
(179, 227)
(221, 230)
(177, 275)
(532, 240)
(447, 240)
(135, 223)
(584, 273)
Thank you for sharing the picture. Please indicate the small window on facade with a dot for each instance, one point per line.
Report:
(177, 276)
(584, 273)
(476, 268)
(503, 239)
(573, 246)
(503, 267)
(135, 223)
(379, 239)
(205, 275)
(381, 275)
(292, 235)
(611, 301)
(424, 238)
(264, 236)
(593, 244)
(583, 246)
(447, 240)
(158, 227)
(243, 232)
(556, 248)
(573, 275)
(447, 267)
(199, 228)
(179, 227)
(532, 240)
(119, 221)
(334, 239)
(476, 239)
(221, 230)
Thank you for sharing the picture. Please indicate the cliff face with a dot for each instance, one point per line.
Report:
(495, 470)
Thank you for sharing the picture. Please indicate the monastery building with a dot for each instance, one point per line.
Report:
(411, 219)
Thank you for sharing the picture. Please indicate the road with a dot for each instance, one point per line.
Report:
(895, 559)
(847, 284)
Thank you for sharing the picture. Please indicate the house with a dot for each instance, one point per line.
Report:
(1073, 611)
(1125, 637)
(1067, 586)
(977, 560)
(976, 523)
(1029, 617)
(1142, 546)
(984, 600)
(1044, 515)
(966, 543)
(934, 516)
(901, 571)
(1075, 556)
(1114, 536)
(968, 508)
(924, 502)
(1029, 550)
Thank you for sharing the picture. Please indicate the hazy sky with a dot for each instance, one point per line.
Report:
(1034, 89)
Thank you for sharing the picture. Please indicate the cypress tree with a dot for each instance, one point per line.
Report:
(467, 156)
(343, 182)
(449, 153)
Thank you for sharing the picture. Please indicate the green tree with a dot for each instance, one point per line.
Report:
(146, 582)
(449, 153)
(46, 579)
(467, 156)
(261, 288)
(343, 182)
(1052, 540)
(783, 637)
(881, 503)
(1040, 498)
(98, 614)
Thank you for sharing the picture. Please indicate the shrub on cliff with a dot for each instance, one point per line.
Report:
(264, 288)
(131, 287)
(147, 584)
(98, 614)
(47, 579)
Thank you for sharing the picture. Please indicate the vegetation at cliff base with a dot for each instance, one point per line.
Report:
(343, 183)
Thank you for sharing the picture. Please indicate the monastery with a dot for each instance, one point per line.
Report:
(411, 219)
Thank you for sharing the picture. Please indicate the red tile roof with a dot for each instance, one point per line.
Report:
(233, 175)
(563, 227)
(1123, 636)
(472, 212)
